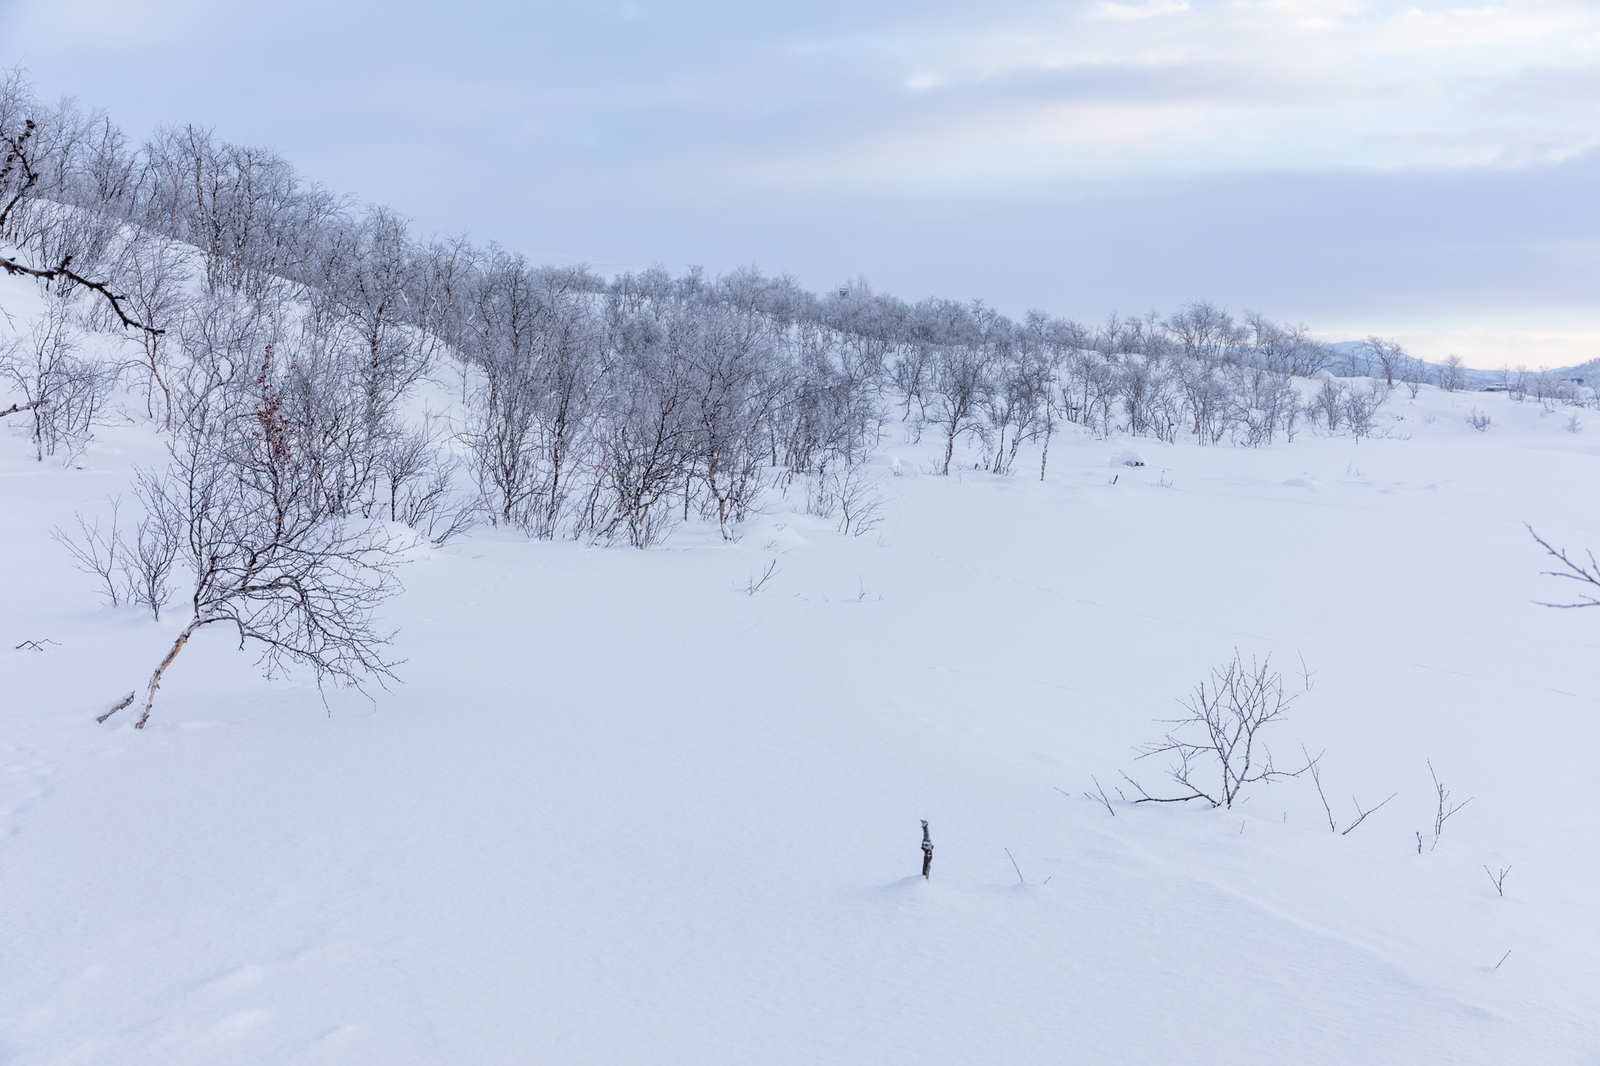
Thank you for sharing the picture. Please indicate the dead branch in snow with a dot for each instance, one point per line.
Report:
(18, 408)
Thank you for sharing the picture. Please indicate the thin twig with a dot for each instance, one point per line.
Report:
(1444, 811)
(1099, 794)
(1363, 814)
(1316, 779)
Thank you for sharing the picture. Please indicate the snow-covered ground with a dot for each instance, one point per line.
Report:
(621, 811)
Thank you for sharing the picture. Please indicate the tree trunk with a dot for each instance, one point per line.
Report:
(155, 678)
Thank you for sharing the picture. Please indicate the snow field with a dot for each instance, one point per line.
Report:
(622, 812)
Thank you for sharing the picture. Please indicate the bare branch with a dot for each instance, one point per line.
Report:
(64, 270)
(115, 707)
(18, 408)
(1316, 778)
(1363, 814)
(17, 156)
(1573, 571)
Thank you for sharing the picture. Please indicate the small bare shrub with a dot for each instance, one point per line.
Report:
(1445, 808)
(1361, 407)
(103, 554)
(849, 495)
(1229, 714)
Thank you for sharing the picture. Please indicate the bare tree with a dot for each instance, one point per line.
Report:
(1285, 349)
(1361, 408)
(1452, 373)
(418, 478)
(65, 393)
(149, 562)
(960, 378)
(1414, 373)
(1329, 404)
(1390, 357)
(727, 359)
(154, 271)
(267, 555)
(645, 449)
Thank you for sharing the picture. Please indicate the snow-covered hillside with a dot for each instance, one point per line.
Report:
(624, 809)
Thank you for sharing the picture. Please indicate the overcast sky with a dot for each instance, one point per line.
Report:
(1429, 172)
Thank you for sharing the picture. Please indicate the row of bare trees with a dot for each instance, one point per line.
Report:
(184, 216)
(288, 341)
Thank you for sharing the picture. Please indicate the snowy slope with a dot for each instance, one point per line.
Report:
(621, 811)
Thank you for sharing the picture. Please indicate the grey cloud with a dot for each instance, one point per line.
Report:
(725, 133)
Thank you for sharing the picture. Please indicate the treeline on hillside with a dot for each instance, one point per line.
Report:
(285, 329)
